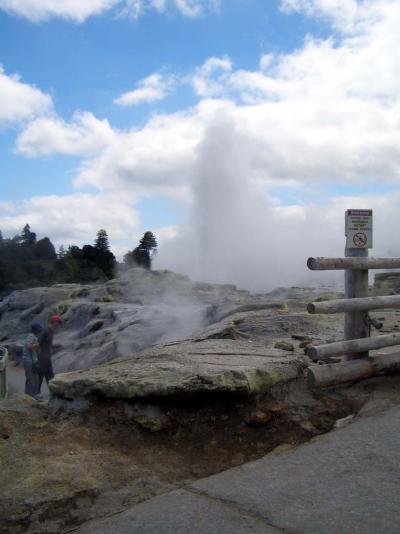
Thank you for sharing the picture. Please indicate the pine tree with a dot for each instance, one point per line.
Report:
(105, 259)
(27, 237)
(44, 250)
(101, 242)
(142, 255)
(148, 242)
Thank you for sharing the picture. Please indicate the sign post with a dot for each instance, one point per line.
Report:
(358, 229)
(358, 240)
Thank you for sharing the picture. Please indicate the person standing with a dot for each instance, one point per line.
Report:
(31, 362)
(46, 350)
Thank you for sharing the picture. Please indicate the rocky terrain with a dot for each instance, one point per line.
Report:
(192, 378)
(102, 322)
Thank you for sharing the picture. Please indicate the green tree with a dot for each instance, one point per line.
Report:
(101, 254)
(44, 250)
(26, 262)
(61, 252)
(27, 237)
(143, 254)
(101, 242)
(79, 265)
(148, 242)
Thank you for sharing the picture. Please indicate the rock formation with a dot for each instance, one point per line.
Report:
(103, 322)
(106, 321)
(168, 380)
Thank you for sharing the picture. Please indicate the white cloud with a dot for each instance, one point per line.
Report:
(166, 233)
(84, 135)
(37, 10)
(266, 61)
(20, 101)
(347, 16)
(342, 12)
(154, 87)
(195, 8)
(328, 113)
(159, 5)
(132, 8)
(210, 79)
(187, 8)
(7, 207)
(157, 158)
(73, 219)
(80, 10)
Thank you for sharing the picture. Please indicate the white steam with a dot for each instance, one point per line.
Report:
(237, 233)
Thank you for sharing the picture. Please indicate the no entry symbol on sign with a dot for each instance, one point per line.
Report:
(360, 239)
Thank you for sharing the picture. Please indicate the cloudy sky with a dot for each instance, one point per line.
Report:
(239, 131)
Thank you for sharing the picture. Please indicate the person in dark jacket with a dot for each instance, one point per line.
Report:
(46, 350)
(30, 361)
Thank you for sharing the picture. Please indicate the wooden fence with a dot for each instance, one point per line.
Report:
(357, 326)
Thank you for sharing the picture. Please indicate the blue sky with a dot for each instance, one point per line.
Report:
(112, 111)
(85, 66)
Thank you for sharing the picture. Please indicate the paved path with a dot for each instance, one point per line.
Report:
(347, 481)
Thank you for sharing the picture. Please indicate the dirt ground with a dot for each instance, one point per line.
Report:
(73, 467)
(60, 468)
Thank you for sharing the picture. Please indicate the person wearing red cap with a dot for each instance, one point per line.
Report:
(30, 360)
(46, 350)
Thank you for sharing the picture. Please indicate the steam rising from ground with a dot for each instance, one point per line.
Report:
(161, 307)
(236, 234)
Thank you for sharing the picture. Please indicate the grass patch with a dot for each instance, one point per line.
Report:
(105, 298)
(61, 307)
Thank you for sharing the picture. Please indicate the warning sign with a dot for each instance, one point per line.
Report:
(359, 228)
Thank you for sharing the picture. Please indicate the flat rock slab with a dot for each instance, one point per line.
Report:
(238, 367)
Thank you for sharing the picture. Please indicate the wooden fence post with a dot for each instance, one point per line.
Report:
(356, 286)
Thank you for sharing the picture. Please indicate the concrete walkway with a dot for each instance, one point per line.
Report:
(347, 481)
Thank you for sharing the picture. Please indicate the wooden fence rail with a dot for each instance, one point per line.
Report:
(339, 373)
(356, 346)
(351, 305)
(338, 264)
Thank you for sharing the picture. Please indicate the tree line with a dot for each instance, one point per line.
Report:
(26, 261)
